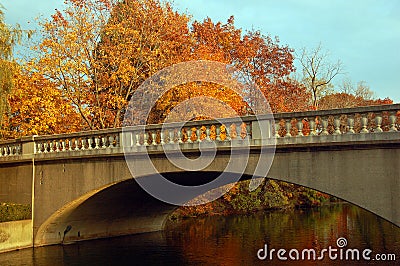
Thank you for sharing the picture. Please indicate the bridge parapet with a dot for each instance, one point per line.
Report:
(10, 148)
(298, 125)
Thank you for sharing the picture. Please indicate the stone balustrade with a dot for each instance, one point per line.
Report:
(362, 120)
(371, 119)
(10, 148)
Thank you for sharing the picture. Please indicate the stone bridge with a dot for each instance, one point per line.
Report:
(81, 187)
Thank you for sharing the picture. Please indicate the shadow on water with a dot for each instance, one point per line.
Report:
(229, 240)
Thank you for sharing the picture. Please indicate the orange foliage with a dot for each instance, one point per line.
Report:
(37, 107)
(346, 100)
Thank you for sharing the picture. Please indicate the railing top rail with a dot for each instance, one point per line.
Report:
(10, 141)
(341, 111)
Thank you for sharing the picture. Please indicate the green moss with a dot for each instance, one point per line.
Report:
(14, 212)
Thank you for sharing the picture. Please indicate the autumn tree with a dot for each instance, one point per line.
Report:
(37, 107)
(318, 72)
(67, 55)
(9, 37)
(351, 96)
(139, 39)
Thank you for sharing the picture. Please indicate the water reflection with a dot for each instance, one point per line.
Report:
(232, 240)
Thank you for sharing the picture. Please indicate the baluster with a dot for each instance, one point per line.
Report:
(364, 123)
(277, 128)
(58, 146)
(69, 145)
(45, 147)
(153, 136)
(336, 123)
(288, 126)
(19, 149)
(77, 142)
(145, 138)
(15, 149)
(63, 143)
(51, 146)
(249, 131)
(202, 133)
(222, 132)
(90, 143)
(232, 131)
(243, 130)
(189, 135)
(378, 120)
(218, 132)
(171, 136)
(103, 143)
(324, 121)
(179, 135)
(108, 141)
(116, 141)
(83, 141)
(162, 142)
(1, 151)
(208, 132)
(392, 119)
(300, 127)
(137, 135)
(96, 142)
(313, 127)
(350, 120)
(195, 135)
(38, 147)
(132, 139)
(198, 135)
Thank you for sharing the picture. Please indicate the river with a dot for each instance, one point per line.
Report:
(239, 240)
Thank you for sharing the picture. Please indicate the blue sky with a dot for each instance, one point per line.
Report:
(363, 34)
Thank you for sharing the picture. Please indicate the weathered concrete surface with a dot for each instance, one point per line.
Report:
(15, 235)
(16, 183)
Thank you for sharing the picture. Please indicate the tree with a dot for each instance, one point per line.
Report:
(9, 37)
(318, 73)
(139, 39)
(37, 107)
(67, 55)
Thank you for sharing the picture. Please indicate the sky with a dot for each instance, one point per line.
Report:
(363, 34)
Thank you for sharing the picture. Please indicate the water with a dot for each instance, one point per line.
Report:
(232, 240)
